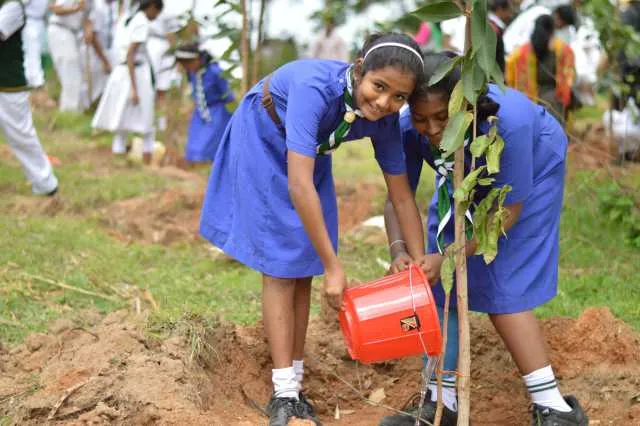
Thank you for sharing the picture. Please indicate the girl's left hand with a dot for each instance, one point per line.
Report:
(431, 264)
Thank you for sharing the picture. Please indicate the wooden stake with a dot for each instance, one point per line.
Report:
(244, 48)
(464, 345)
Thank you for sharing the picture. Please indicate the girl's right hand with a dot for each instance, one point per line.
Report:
(134, 98)
(335, 281)
(400, 263)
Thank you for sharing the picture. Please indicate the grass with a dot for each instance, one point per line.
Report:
(187, 279)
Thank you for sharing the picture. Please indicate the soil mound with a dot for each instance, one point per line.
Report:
(114, 373)
(173, 215)
(164, 217)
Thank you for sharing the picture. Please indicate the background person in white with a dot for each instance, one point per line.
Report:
(127, 104)
(330, 45)
(33, 38)
(16, 121)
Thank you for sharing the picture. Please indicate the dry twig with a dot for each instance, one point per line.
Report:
(67, 393)
(71, 288)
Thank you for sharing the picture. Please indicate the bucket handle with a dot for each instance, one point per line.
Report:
(415, 313)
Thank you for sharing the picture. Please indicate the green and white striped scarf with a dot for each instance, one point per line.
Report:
(340, 133)
(444, 176)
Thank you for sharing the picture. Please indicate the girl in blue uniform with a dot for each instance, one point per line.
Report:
(524, 274)
(210, 92)
(271, 201)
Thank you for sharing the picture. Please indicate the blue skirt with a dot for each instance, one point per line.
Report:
(247, 211)
(204, 137)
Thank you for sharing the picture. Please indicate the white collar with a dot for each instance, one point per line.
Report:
(496, 20)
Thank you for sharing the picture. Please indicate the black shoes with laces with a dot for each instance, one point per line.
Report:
(545, 416)
(281, 410)
(306, 410)
(449, 418)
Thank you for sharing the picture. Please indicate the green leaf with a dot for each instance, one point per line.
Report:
(486, 181)
(479, 23)
(479, 145)
(453, 136)
(493, 130)
(456, 100)
(497, 77)
(444, 69)
(493, 234)
(467, 185)
(438, 11)
(446, 273)
(503, 194)
(472, 79)
(493, 155)
(483, 38)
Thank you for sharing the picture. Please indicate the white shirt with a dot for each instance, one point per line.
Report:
(496, 20)
(72, 21)
(137, 31)
(331, 47)
(11, 19)
(36, 9)
(520, 29)
(455, 29)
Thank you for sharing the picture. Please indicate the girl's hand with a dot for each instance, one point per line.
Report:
(400, 263)
(106, 67)
(335, 281)
(431, 264)
(134, 97)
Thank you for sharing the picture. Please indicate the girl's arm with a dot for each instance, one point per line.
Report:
(131, 65)
(66, 10)
(406, 215)
(307, 203)
(93, 40)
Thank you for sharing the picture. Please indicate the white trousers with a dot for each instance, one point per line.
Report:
(65, 52)
(16, 124)
(32, 39)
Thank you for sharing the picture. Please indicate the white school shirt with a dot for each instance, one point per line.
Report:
(137, 31)
(11, 19)
(72, 21)
(36, 9)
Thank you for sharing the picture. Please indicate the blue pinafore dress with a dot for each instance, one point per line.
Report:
(524, 274)
(210, 92)
(247, 211)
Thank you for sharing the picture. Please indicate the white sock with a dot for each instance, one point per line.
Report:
(119, 145)
(162, 123)
(543, 388)
(298, 367)
(449, 393)
(284, 382)
(148, 140)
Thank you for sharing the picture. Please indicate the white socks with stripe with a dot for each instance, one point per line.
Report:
(449, 393)
(285, 384)
(543, 388)
(298, 367)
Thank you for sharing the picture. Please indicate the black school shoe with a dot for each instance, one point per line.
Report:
(449, 418)
(281, 410)
(306, 410)
(545, 416)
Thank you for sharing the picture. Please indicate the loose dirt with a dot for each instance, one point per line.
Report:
(111, 371)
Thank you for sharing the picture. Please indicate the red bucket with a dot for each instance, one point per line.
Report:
(390, 318)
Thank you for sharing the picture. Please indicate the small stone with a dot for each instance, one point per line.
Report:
(104, 410)
(36, 341)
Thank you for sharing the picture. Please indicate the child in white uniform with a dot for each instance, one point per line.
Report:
(128, 101)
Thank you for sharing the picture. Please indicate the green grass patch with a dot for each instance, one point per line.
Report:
(189, 281)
